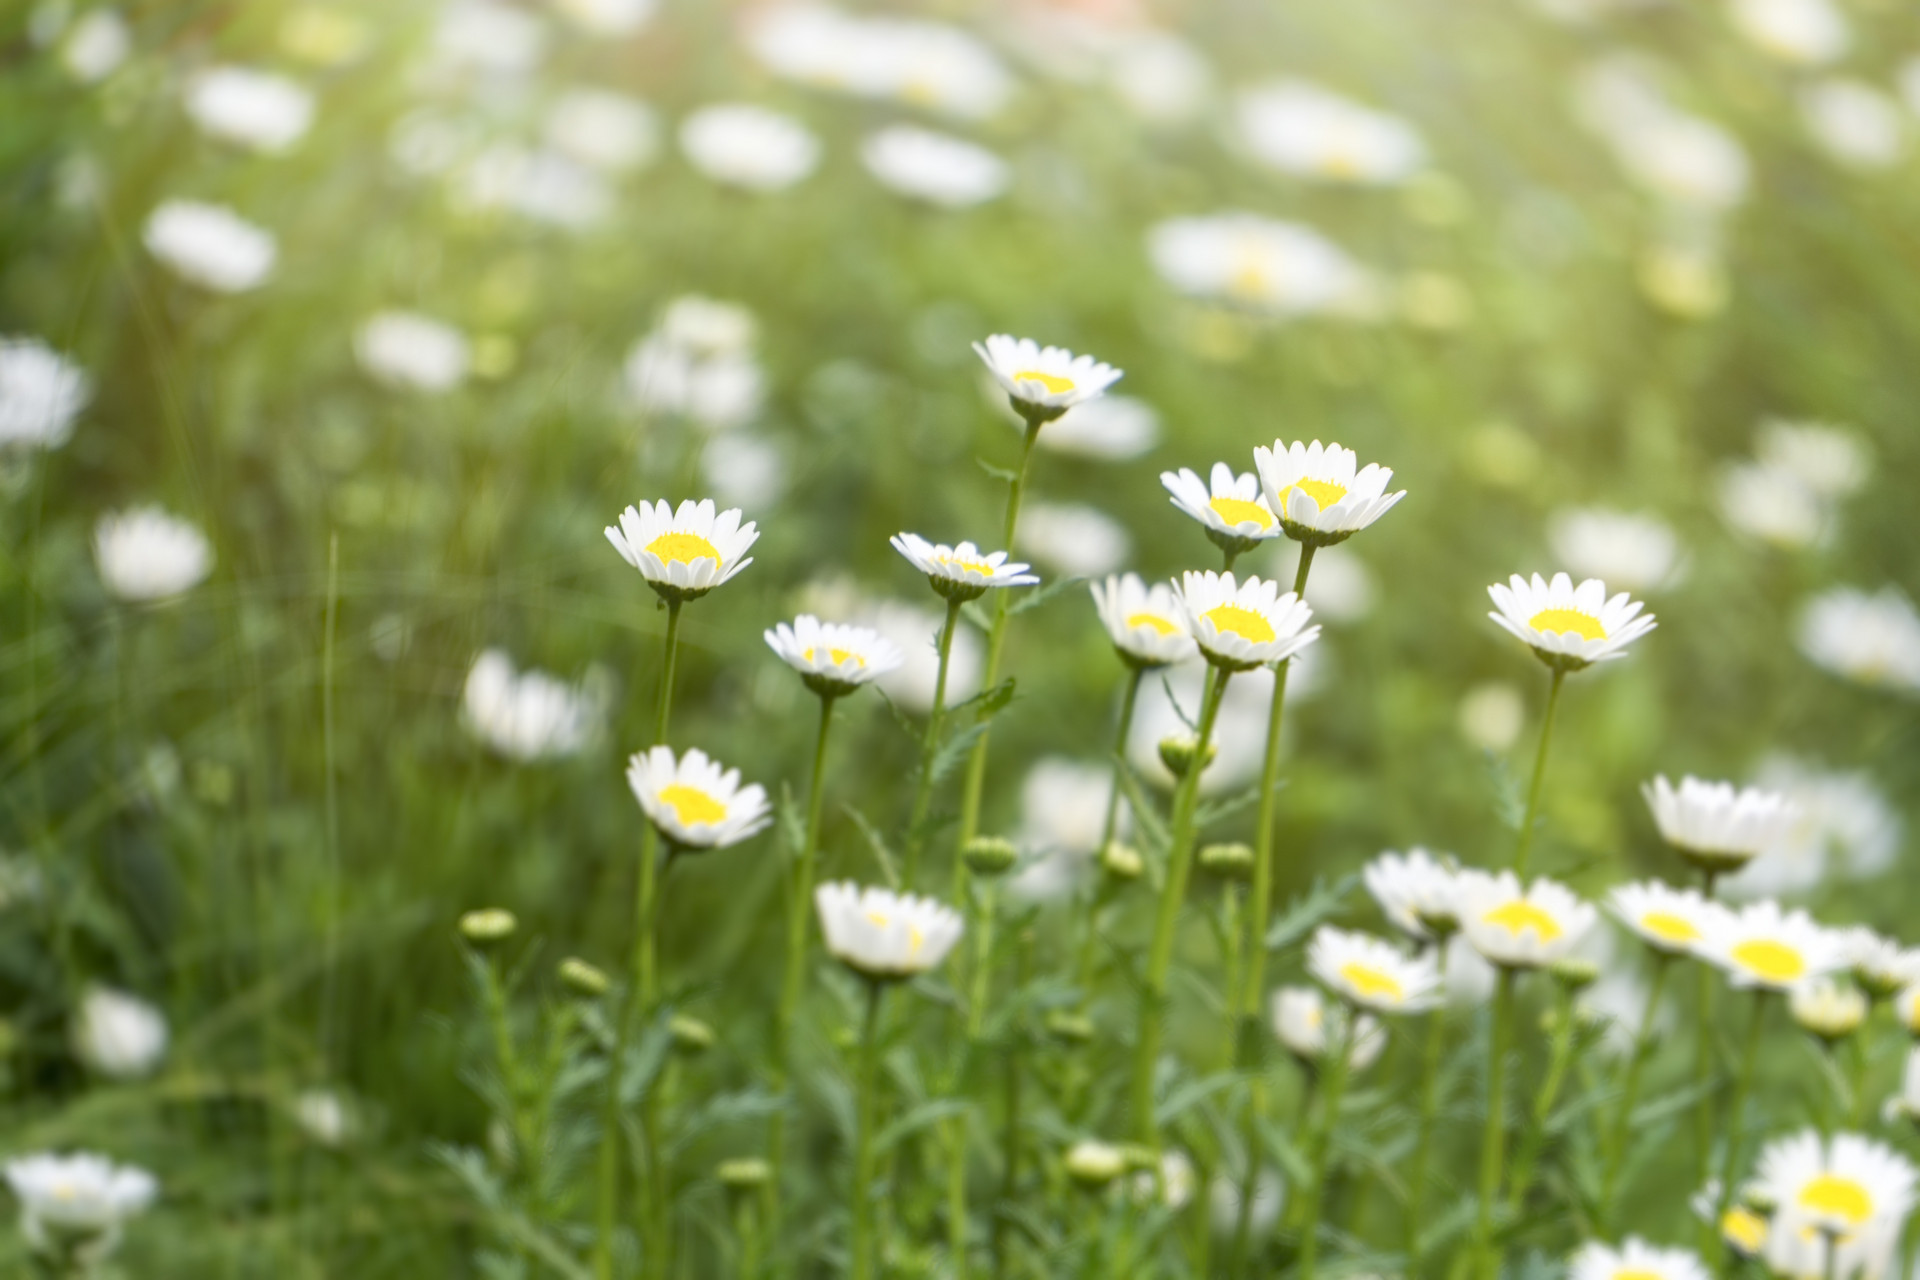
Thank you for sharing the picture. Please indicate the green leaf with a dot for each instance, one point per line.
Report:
(1220, 810)
(921, 1117)
(998, 473)
(1041, 594)
(1192, 1094)
(875, 842)
(1152, 826)
(1321, 901)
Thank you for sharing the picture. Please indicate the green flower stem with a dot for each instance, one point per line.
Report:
(1339, 1047)
(1616, 1150)
(954, 1131)
(746, 1224)
(518, 1116)
(860, 1251)
(799, 926)
(1525, 845)
(1429, 1108)
(1736, 1109)
(1857, 1104)
(1558, 1060)
(1010, 1134)
(1703, 1077)
(1090, 922)
(1153, 995)
(929, 747)
(1493, 1144)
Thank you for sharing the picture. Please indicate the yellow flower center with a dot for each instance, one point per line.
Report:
(1053, 382)
(1323, 492)
(1340, 161)
(1833, 1196)
(1151, 621)
(684, 547)
(1245, 623)
(1585, 625)
(1520, 915)
(1239, 511)
(1747, 1229)
(693, 806)
(1371, 982)
(980, 567)
(840, 657)
(1252, 276)
(1669, 927)
(1630, 1274)
(1774, 961)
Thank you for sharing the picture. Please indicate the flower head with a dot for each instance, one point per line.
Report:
(529, 715)
(41, 393)
(936, 168)
(1881, 965)
(1320, 493)
(1671, 921)
(1301, 1022)
(686, 553)
(76, 1203)
(750, 147)
(1418, 892)
(1873, 640)
(1635, 551)
(412, 352)
(1230, 507)
(1848, 1193)
(1372, 973)
(253, 109)
(1521, 927)
(1569, 627)
(1714, 825)
(1305, 131)
(884, 935)
(146, 555)
(832, 658)
(1274, 268)
(964, 572)
(1762, 946)
(1635, 1259)
(1245, 624)
(1144, 622)
(118, 1035)
(210, 246)
(693, 802)
(1043, 382)
(1828, 1009)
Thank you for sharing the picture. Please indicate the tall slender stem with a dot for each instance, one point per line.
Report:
(1703, 1074)
(1010, 1134)
(860, 1251)
(1616, 1151)
(929, 748)
(1339, 1049)
(1429, 1108)
(1736, 1107)
(1090, 921)
(1153, 994)
(1560, 1058)
(1493, 1143)
(1525, 845)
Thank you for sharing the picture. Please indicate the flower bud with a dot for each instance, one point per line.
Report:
(691, 1036)
(488, 926)
(990, 856)
(748, 1173)
(1228, 861)
(1070, 1027)
(1122, 862)
(582, 978)
(1095, 1164)
(1179, 751)
(1573, 973)
(1139, 1157)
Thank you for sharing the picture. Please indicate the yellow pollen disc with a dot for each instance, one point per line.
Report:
(1315, 1017)
(1837, 1197)
(1774, 961)
(1151, 621)
(840, 657)
(1053, 382)
(1340, 163)
(1323, 492)
(1669, 927)
(684, 547)
(1520, 915)
(1251, 278)
(1745, 1228)
(1584, 625)
(1628, 1274)
(980, 567)
(1245, 623)
(1369, 981)
(1239, 511)
(914, 940)
(693, 806)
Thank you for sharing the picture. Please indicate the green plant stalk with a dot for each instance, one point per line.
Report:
(929, 747)
(1153, 994)
(1559, 1058)
(1616, 1151)
(1493, 1143)
(1736, 1108)
(746, 1226)
(954, 1131)
(1010, 1135)
(1090, 921)
(1525, 845)
(1857, 1104)
(799, 928)
(1429, 1108)
(1338, 1049)
(860, 1251)
(1702, 1077)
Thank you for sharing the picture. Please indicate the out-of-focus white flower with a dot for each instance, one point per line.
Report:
(118, 1035)
(924, 64)
(604, 130)
(934, 167)
(1063, 809)
(96, 46)
(1841, 827)
(964, 572)
(1872, 640)
(1144, 622)
(1771, 504)
(1671, 921)
(1042, 383)
(1074, 539)
(1854, 123)
(210, 245)
(144, 554)
(74, 1205)
(1801, 32)
(1569, 627)
(1760, 945)
(684, 553)
(1521, 927)
(1245, 624)
(1223, 1202)
(745, 470)
(1828, 1009)
(1320, 492)
(693, 802)
(750, 147)
(608, 17)
(1173, 1187)
(1341, 588)
(1682, 160)
(41, 393)
(1618, 998)
(1491, 716)
(1164, 79)
(539, 184)
(1469, 975)
(1715, 825)
(1303, 130)
(1239, 733)
(1638, 552)
(917, 631)
(833, 658)
(1418, 892)
(1371, 972)
(1849, 1194)
(488, 36)
(1881, 965)
(529, 715)
(1111, 429)
(1301, 1018)
(1281, 268)
(414, 352)
(255, 109)
(323, 1116)
(1831, 461)
(1635, 1259)
(698, 361)
(884, 935)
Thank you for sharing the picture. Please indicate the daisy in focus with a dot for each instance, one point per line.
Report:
(1243, 625)
(1144, 622)
(693, 802)
(882, 935)
(1418, 892)
(686, 553)
(1635, 1259)
(964, 572)
(1302, 1022)
(1229, 507)
(1762, 946)
(1569, 627)
(1043, 382)
(1716, 826)
(1320, 493)
(1671, 921)
(1372, 973)
(833, 659)
(1520, 927)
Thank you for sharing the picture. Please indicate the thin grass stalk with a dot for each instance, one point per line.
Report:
(1702, 1078)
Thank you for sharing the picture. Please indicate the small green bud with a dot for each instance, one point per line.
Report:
(1227, 861)
(1095, 1164)
(582, 978)
(1123, 862)
(1139, 1157)
(691, 1036)
(990, 856)
(1069, 1027)
(1179, 751)
(749, 1173)
(488, 926)
(1574, 974)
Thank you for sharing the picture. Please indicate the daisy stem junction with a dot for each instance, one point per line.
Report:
(1525, 845)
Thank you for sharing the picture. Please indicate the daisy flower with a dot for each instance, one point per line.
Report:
(686, 553)
(1880, 965)
(210, 246)
(1302, 1020)
(41, 393)
(963, 572)
(412, 352)
(1243, 625)
(1372, 973)
(1273, 268)
(1569, 627)
(1849, 1194)
(1319, 495)
(1144, 622)
(1762, 946)
(832, 658)
(117, 1034)
(253, 109)
(942, 170)
(1743, 1228)
(1417, 891)
(1302, 130)
(1520, 927)
(883, 935)
(695, 804)
(1671, 921)
(1231, 509)
(1633, 550)
(1906, 1006)
(1043, 382)
(1905, 1105)
(1714, 825)
(146, 555)
(529, 715)
(1635, 1259)
(1872, 640)
(1828, 1009)
(749, 147)
(81, 1198)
